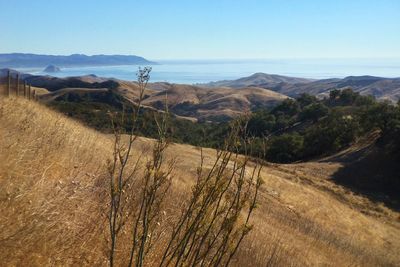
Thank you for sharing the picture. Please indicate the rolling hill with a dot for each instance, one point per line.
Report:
(258, 79)
(216, 104)
(188, 101)
(381, 88)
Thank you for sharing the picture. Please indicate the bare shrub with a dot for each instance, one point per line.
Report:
(210, 229)
(135, 194)
(216, 218)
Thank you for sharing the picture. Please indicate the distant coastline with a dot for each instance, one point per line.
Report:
(25, 60)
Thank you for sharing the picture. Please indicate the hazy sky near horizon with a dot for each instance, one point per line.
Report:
(203, 29)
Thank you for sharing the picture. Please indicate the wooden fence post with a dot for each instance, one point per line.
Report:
(34, 95)
(24, 89)
(29, 92)
(17, 84)
(9, 84)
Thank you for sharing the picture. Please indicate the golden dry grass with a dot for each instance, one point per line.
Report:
(53, 188)
(49, 175)
(213, 102)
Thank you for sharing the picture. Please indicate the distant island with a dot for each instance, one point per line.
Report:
(51, 69)
(21, 60)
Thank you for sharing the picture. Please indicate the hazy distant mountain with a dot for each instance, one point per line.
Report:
(51, 69)
(258, 79)
(381, 88)
(20, 60)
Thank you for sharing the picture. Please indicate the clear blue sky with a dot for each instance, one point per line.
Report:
(203, 29)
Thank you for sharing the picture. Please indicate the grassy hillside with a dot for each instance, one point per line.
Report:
(53, 201)
(214, 104)
(302, 129)
(50, 175)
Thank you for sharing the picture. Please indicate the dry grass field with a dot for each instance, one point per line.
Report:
(53, 201)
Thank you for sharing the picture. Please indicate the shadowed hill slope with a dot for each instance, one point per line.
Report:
(368, 169)
(52, 202)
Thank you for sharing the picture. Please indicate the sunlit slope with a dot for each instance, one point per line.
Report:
(53, 201)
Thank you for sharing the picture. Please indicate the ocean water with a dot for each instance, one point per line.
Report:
(203, 71)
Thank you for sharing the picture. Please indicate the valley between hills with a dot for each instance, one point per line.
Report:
(215, 101)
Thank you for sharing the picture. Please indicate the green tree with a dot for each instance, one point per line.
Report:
(383, 116)
(288, 107)
(285, 148)
(260, 124)
(331, 135)
(334, 94)
(348, 96)
(365, 100)
(313, 112)
(306, 100)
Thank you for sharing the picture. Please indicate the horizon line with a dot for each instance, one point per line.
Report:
(216, 58)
